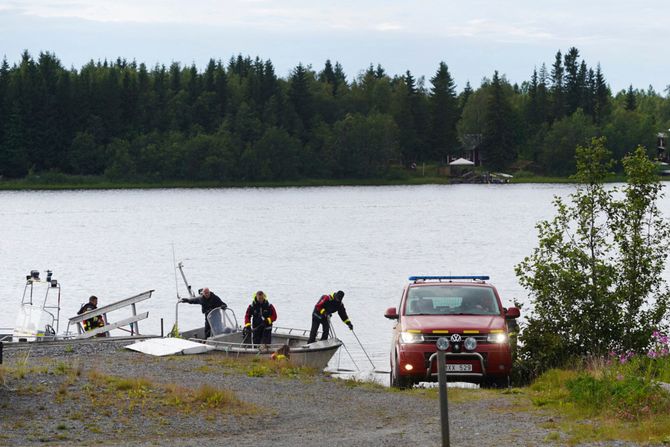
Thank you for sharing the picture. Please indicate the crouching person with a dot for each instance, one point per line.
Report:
(94, 322)
(258, 320)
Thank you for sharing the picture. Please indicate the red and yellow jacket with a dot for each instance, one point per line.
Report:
(328, 305)
(260, 313)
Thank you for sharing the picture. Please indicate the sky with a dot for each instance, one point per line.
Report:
(630, 40)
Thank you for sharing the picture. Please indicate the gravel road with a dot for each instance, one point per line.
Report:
(43, 408)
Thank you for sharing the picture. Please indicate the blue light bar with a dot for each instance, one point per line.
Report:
(448, 278)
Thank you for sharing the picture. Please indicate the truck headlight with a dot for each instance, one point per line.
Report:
(410, 337)
(498, 337)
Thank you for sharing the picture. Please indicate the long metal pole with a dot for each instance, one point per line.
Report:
(444, 403)
(332, 329)
(364, 351)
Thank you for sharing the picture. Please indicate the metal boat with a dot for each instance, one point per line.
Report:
(227, 338)
(300, 353)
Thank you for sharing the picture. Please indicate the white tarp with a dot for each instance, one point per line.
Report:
(169, 346)
(461, 162)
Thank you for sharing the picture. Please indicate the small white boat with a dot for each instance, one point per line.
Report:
(39, 315)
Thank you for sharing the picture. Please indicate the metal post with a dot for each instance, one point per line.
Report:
(1, 343)
(444, 402)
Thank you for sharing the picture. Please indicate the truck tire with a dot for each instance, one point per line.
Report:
(397, 381)
(495, 382)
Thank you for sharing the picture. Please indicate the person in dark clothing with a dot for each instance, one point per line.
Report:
(258, 320)
(95, 322)
(209, 301)
(327, 305)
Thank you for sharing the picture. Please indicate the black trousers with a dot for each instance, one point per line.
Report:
(261, 336)
(208, 329)
(316, 322)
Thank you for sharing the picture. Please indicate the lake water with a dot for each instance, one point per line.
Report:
(293, 243)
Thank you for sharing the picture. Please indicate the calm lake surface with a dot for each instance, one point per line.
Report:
(293, 243)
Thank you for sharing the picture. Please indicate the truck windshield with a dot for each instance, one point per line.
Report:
(451, 300)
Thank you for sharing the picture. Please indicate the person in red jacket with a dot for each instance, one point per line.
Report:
(327, 305)
(258, 320)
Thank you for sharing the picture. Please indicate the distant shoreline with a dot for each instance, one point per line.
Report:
(101, 184)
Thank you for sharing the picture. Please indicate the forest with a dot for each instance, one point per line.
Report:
(238, 121)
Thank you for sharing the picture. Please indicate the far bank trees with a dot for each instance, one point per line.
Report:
(157, 119)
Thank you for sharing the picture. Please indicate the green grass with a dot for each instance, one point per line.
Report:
(605, 401)
(121, 395)
(258, 367)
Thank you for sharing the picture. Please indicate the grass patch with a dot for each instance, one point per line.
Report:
(354, 382)
(604, 402)
(258, 367)
(109, 395)
(153, 398)
(212, 397)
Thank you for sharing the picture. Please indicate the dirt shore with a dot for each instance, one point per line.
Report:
(88, 394)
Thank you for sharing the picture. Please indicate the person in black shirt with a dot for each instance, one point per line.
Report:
(209, 301)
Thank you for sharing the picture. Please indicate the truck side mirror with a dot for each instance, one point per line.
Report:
(391, 313)
(512, 313)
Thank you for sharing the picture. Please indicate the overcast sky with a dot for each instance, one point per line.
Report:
(474, 37)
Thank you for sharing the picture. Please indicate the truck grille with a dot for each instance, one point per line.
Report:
(432, 338)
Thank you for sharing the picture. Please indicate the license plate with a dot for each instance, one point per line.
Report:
(459, 368)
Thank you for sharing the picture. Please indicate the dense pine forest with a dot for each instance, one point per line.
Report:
(239, 121)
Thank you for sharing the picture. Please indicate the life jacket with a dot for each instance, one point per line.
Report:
(258, 313)
(91, 323)
(328, 305)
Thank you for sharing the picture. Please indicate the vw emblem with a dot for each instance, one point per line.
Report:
(456, 338)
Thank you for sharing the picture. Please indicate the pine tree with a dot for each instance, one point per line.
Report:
(340, 78)
(327, 75)
(499, 139)
(464, 96)
(221, 89)
(602, 97)
(631, 101)
(410, 145)
(532, 116)
(573, 85)
(543, 95)
(445, 114)
(557, 88)
(300, 97)
(175, 78)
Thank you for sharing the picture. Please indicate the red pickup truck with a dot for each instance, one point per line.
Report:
(467, 311)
